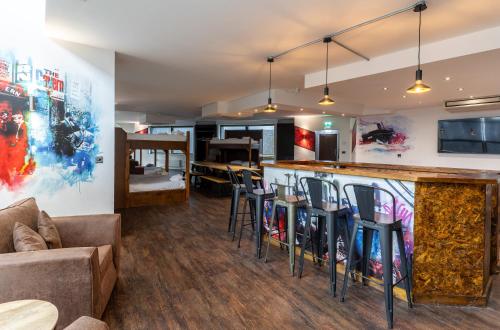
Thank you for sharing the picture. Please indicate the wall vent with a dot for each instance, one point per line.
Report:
(473, 104)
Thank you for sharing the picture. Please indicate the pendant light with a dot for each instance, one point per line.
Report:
(326, 100)
(269, 107)
(419, 87)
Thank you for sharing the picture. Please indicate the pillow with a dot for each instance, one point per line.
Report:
(26, 239)
(48, 230)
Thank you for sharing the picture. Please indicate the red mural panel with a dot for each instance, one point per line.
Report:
(305, 138)
(142, 131)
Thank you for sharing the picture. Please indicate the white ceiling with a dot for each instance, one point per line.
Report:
(175, 56)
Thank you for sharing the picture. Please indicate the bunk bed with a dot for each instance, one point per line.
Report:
(136, 185)
(238, 151)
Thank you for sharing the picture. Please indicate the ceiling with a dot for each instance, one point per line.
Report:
(175, 56)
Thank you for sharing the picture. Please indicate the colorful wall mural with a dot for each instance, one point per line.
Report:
(404, 196)
(47, 125)
(384, 134)
(305, 138)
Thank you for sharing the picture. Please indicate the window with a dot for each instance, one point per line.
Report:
(173, 129)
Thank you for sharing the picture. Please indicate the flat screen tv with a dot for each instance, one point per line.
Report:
(469, 135)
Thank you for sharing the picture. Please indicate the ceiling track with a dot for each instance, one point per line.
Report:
(349, 29)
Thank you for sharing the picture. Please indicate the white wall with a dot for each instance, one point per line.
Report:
(28, 40)
(424, 143)
(316, 123)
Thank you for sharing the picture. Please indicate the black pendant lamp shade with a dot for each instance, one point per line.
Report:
(419, 87)
(326, 100)
(269, 107)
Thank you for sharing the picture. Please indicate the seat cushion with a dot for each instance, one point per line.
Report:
(26, 239)
(105, 257)
(87, 323)
(25, 212)
(47, 229)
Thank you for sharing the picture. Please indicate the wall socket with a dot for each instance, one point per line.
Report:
(99, 159)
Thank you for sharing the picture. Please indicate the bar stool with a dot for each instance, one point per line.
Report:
(237, 190)
(370, 220)
(287, 197)
(323, 200)
(257, 195)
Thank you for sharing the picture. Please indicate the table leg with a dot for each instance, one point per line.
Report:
(259, 213)
(292, 215)
(332, 251)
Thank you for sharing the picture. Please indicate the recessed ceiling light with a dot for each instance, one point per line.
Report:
(301, 109)
(343, 115)
(404, 96)
(460, 89)
(471, 97)
(419, 102)
(324, 112)
(447, 78)
(385, 88)
(255, 110)
(239, 113)
(276, 106)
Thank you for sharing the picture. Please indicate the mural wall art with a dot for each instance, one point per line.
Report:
(384, 134)
(47, 125)
(305, 138)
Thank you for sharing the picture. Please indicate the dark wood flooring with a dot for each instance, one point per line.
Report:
(180, 270)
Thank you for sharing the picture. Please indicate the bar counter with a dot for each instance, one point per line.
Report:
(449, 218)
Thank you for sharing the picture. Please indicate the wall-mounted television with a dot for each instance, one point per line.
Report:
(469, 135)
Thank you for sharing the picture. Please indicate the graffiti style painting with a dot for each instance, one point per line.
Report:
(47, 125)
(304, 138)
(404, 198)
(384, 134)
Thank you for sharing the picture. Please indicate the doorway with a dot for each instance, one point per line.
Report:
(327, 144)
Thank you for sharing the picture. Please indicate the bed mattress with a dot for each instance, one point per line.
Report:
(140, 183)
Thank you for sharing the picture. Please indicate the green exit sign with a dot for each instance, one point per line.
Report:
(327, 124)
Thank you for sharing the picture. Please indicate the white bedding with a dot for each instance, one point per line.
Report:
(152, 170)
(156, 137)
(138, 183)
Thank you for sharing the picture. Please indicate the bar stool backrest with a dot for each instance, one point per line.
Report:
(365, 196)
(232, 176)
(248, 181)
(319, 191)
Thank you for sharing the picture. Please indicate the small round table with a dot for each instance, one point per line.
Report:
(28, 314)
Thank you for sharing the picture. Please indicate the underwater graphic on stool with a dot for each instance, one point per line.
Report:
(47, 126)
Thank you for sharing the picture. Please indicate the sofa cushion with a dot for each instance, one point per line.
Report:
(47, 229)
(105, 257)
(25, 212)
(26, 239)
(87, 323)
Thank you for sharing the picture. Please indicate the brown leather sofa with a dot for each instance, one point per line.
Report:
(78, 279)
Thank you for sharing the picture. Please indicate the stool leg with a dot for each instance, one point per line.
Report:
(367, 248)
(231, 212)
(386, 247)
(243, 220)
(331, 223)
(251, 202)
(236, 208)
(321, 239)
(292, 215)
(304, 241)
(404, 265)
(349, 261)
(273, 215)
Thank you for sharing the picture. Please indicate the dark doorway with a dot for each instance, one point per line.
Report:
(327, 146)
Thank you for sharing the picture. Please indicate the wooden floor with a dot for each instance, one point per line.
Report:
(180, 270)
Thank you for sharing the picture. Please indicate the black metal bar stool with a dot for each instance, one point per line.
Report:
(323, 200)
(237, 190)
(256, 194)
(370, 220)
(286, 197)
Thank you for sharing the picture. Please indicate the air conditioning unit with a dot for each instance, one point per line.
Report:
(473, 104)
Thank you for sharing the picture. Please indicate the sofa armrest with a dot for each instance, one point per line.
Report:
(68, 278)
(91, 230)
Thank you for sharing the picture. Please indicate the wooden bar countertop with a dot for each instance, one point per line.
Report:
(394, 172)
